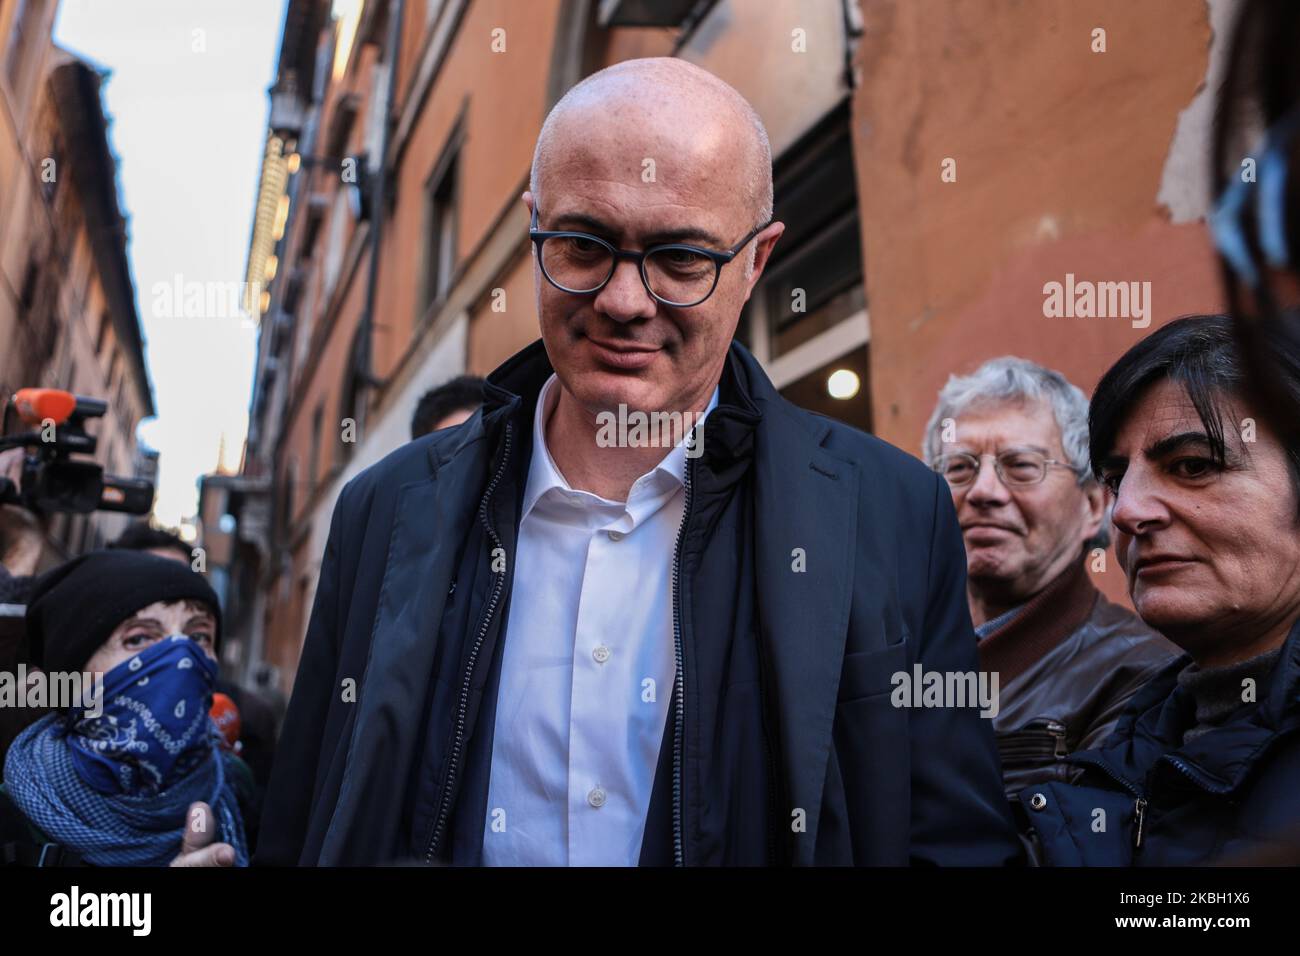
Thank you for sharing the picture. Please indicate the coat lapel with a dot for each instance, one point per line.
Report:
(807, 503)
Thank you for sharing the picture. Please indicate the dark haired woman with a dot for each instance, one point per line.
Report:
(1204, 766)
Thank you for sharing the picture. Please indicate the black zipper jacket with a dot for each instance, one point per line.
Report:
(813, 564)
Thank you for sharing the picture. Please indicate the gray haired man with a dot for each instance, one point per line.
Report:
(1012, 441)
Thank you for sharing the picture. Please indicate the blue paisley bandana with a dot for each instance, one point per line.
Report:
(154, 728)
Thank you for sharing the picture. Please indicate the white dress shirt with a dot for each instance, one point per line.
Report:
(588, 666)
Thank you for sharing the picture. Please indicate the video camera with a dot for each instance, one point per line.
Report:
(52, 480)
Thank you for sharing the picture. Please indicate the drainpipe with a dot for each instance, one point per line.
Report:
(378, 199)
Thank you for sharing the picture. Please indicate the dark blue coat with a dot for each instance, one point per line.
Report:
(409, 607)
(1227, 796)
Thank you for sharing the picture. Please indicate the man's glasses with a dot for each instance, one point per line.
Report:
(1015, 468)
(675, 274)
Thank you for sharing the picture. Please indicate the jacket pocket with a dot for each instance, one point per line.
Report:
(1033, 753)
(867, 673)
(1079, 826)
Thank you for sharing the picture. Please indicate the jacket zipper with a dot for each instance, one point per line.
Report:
(1196, 777)
(1139, 801)
(1193, 774)
(1140, 809)
(679, 849)
(774, 819)
(1037, 740)
(1202, 780)
(462, 708)
(1086, 760)
(1057, 731)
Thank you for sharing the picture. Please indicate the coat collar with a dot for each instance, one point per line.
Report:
(513, 388)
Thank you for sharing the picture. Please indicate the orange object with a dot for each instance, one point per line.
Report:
(226, 716)
(35, 405)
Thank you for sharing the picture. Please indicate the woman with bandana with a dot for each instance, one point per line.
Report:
(136, 776)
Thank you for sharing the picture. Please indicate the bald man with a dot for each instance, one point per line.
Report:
(639, 609)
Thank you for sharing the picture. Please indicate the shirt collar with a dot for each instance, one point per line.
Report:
(544, 476)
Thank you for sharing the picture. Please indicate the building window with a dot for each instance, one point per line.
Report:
(816, 286)
(814, 278)
(336, 245)
(440, 232)
(341, 123)
(807, 317)
(292, 294)
(316, 207)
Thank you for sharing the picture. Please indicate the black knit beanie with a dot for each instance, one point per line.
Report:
(74, 608)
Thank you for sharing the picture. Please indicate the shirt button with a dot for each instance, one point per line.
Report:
(600, 654)
(615, 535)
(597, 797)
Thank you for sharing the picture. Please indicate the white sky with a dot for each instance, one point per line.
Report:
(188, 127)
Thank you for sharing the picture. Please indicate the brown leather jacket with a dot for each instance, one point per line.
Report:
(1068, 664)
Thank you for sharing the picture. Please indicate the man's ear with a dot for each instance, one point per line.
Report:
(766, 242)
(527, 197)
(1094, 509)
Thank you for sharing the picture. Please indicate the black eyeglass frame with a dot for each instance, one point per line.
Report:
(719, 259)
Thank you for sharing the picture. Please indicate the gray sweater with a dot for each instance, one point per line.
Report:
(1219, 691)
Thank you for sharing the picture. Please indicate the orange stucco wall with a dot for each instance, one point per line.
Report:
(1059, 155)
